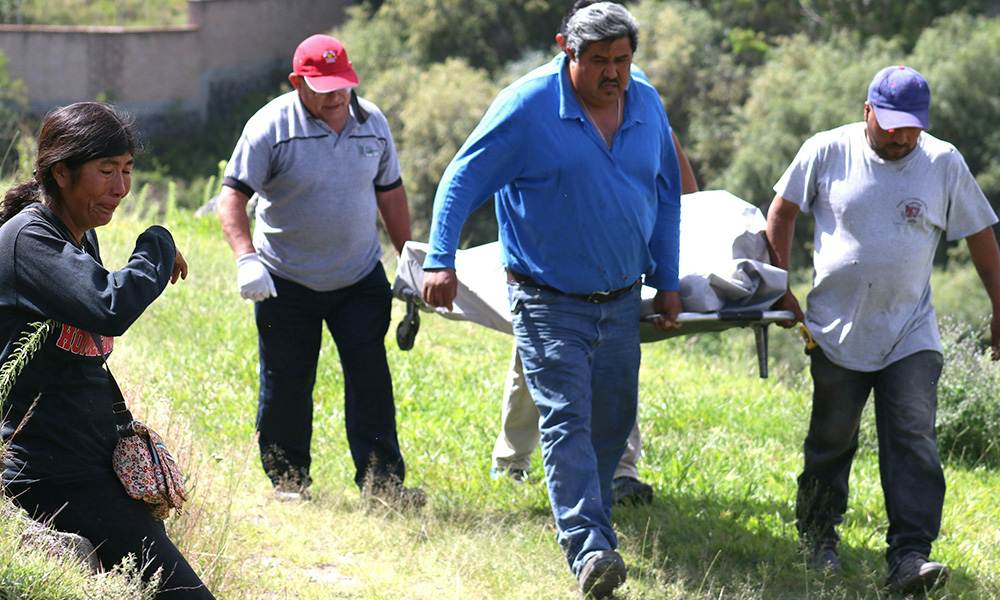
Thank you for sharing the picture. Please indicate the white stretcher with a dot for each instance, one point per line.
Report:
(726, 280)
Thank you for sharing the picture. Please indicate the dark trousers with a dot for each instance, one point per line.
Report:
(909, 465)
(116, 525)
(290, 329)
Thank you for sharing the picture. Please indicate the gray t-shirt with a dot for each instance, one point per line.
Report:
(316, 220)
(878, 224)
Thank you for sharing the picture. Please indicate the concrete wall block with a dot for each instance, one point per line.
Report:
(226, 47)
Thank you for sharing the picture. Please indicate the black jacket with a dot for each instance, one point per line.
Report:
(70, 432)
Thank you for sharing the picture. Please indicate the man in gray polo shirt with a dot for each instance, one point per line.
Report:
(882, 192)
(324, 164)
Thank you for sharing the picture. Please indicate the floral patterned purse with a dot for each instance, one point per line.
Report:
(141, 460)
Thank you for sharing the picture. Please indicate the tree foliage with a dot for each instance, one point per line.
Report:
(486, 33)
(819, 19)
(431, 117)
(13, 99)
(743, 83)
(804, 87)
(94, 12)
(960, 56)
(688, 57)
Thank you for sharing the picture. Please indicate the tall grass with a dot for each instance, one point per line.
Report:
(722, 450)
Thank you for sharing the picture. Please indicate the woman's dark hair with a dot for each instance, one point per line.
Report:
(72, 135)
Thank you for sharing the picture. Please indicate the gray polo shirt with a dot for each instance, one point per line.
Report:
(878, 224)
(316, 220)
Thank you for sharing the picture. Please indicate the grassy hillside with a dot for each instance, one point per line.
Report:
(722, 449)
(130, 13)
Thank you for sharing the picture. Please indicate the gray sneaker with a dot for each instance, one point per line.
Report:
(601, 574)
(518, 476)
(915, 574)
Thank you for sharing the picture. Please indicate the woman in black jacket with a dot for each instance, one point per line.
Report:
(58, 427)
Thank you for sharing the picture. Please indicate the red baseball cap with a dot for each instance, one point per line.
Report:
(322, 61)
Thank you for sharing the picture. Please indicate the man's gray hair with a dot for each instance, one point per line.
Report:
(600, 22)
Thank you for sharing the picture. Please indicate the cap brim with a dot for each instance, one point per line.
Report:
(896, 119)
(329, 83)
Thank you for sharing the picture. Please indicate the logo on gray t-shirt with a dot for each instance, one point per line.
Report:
(911, 210)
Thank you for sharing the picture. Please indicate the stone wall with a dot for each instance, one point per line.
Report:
(226, 49)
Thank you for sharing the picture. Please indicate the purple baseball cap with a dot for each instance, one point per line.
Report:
(900, 97)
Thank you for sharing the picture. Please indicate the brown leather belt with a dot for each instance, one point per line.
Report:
(516, 278)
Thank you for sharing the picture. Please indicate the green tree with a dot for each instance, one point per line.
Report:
(94, 12)
(13, 101)
(822, 18)
(486, 33)
(959, 57)
(687, 56)
(805, 87)
(433, 110)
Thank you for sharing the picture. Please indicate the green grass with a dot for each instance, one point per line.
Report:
(722, 448)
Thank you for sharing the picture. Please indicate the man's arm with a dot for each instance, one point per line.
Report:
(689, 184)
(235, 222)
(780, 231)
(252, 278)
(986, 258)
(668, 304)
(395, 214)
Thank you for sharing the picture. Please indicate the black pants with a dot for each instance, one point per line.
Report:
(116, 525)
(290, 330)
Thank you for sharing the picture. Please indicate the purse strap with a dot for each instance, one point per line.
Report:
(122, 413)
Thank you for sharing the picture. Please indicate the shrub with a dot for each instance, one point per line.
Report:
(968, 414)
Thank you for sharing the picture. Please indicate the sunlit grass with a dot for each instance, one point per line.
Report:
(722, 450)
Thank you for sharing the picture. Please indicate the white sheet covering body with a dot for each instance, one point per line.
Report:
(725, 274)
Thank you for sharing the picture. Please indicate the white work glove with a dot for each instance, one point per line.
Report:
(253, 279)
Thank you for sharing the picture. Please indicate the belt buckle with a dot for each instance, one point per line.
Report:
(600, 297)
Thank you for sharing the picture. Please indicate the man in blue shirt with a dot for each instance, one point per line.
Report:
(581, 159)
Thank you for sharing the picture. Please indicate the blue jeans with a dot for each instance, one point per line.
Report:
(909, 465)
(581, 364)
(290, 329)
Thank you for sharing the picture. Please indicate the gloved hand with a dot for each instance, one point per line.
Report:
(254, 281)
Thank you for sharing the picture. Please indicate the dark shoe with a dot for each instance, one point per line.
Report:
(629, 490)
(394, 495)
(601, 574)
(915, 574)
(292, 486)
(824, 557)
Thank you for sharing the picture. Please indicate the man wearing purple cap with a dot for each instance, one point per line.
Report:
(324, 165)
(882, 193)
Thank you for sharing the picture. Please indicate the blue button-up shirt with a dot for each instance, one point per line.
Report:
(573, 214)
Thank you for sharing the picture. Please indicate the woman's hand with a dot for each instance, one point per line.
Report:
(180, 268)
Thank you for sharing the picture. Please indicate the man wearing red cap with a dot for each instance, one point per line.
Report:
(882, 192)
(323, 163)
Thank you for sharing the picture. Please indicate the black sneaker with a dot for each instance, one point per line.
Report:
(601, 574)
(395, 496)
(629, 490)
(915, 574)
(824, 557)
